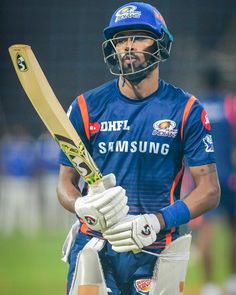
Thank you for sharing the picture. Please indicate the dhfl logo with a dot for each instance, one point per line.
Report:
(94, 127)
(108, 126)
(143, 286)
(205, 120)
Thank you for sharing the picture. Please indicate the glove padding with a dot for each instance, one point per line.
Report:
(133, 232)
(100, 210)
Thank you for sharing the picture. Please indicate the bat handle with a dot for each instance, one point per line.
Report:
(98, 187)
(108, 181)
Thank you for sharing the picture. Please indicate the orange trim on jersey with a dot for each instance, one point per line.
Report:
(172, 200)
(187, 109)
(168, 238)
(84, 112)
(175, 182)
(84, 228)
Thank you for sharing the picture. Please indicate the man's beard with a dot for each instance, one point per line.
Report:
(136, 71)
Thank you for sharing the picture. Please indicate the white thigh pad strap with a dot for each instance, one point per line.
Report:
(171, 268)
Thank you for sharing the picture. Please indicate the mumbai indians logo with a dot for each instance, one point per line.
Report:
(165, 128)
(22, 66)
(143, 286)
(127, 12)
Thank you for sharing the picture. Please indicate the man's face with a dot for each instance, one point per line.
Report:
(131, 47)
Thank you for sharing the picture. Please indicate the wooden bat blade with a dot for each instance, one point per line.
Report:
(51, 112)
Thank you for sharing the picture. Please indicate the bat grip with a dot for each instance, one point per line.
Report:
(98, 187)
(108, 181)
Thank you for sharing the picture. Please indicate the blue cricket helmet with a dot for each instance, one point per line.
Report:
(137, 16)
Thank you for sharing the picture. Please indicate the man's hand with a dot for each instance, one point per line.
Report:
(133, 232)
(100, 210)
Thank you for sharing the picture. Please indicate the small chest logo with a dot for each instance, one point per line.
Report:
(165, 128)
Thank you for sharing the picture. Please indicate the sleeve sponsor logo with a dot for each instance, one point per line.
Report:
(165, 128)
(127, 12)
(205, 120)
(209, 147)
(143, 286)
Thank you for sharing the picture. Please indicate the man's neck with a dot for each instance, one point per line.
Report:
(141, 90)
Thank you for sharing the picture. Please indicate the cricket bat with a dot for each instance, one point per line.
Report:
(51, 112)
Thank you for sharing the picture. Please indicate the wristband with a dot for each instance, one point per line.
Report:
(176, 214)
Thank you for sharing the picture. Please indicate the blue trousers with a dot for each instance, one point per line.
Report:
(125, 273)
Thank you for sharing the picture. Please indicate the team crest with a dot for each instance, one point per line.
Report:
(165, 128)
(143, 286)
(209, 147)
(127, 12)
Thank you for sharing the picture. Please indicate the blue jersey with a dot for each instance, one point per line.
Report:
(221, 109)
(143, 142)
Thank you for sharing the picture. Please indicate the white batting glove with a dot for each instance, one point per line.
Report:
(100, 210)
(133, 232)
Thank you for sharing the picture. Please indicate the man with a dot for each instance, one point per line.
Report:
(139, 128)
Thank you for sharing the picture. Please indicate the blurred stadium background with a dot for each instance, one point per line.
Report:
(66, 37)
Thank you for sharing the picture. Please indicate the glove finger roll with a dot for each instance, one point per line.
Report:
(114, 206)
(108, 196)
(116, 218)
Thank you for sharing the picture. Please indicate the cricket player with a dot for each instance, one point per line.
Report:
(138, 129)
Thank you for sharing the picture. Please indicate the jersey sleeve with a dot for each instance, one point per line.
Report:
(198, 141)
(76, 119)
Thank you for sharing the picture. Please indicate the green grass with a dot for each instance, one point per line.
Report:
(32, 266)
